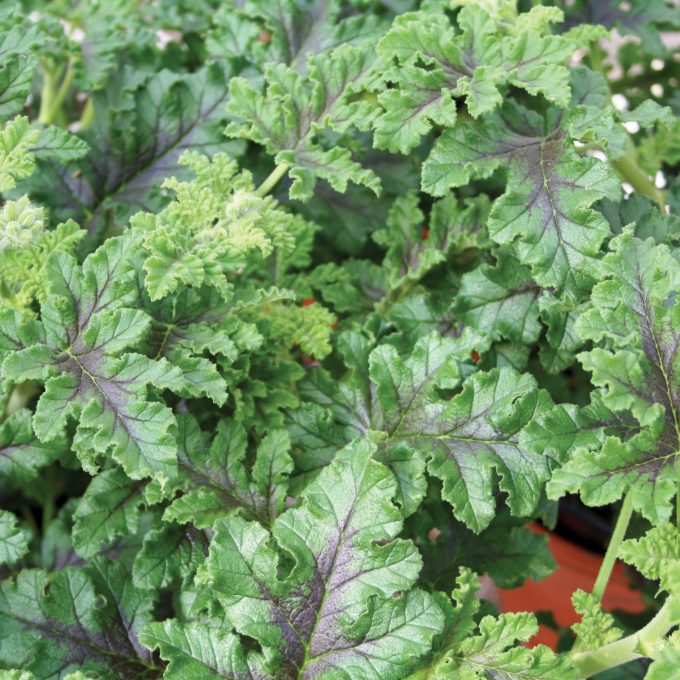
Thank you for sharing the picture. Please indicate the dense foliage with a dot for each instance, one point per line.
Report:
(308, 308)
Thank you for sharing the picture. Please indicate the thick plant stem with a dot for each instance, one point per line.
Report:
(51, 101)
(627, 649)
(46, 94)
(87, 116)
(627, 166)
(393, 296)
(272, 180)
(48, 508)
(631, 172)
(618, 535)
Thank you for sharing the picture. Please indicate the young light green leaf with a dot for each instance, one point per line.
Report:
(655, 554)
(289, 117)
(89, 323)
(492, 648)
(665, 660)
(596, 628)
(16, 160)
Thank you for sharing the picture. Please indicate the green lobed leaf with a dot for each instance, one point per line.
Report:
(108, 509)
(491, 648)
(215, 480)
(74, 620)
(201, 651)
(22, 454)
(415, 246)
(89, 324)
(289, 117)
(656, 554)
(501, 300)
(434, 64)
(545, 211)
(461, 440)
(169, 555)
(17, 52)
(348, 605)
(633, 319)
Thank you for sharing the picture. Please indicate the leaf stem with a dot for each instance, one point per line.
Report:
(628, 169)
(632, 647)
(51, 101)
(615, 541)
(87, 116)
(48, 508)
(627, 166)
(272, 179)
(394, 295)
(29, 518)
(46, 93)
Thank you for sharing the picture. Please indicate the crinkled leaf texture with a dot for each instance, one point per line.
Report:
(656, 555)
(75, 619)
(545, 211)
(141, 128)
(21, 144)
(89, 321)
(634, 320)
(22, 454)
(434, 65)
(483, 429)
(347, 605)
(492, 648)
(290, 115)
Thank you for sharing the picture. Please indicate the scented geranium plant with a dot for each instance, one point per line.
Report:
(309, 308)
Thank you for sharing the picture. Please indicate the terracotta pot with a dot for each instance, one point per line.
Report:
(577, 568)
